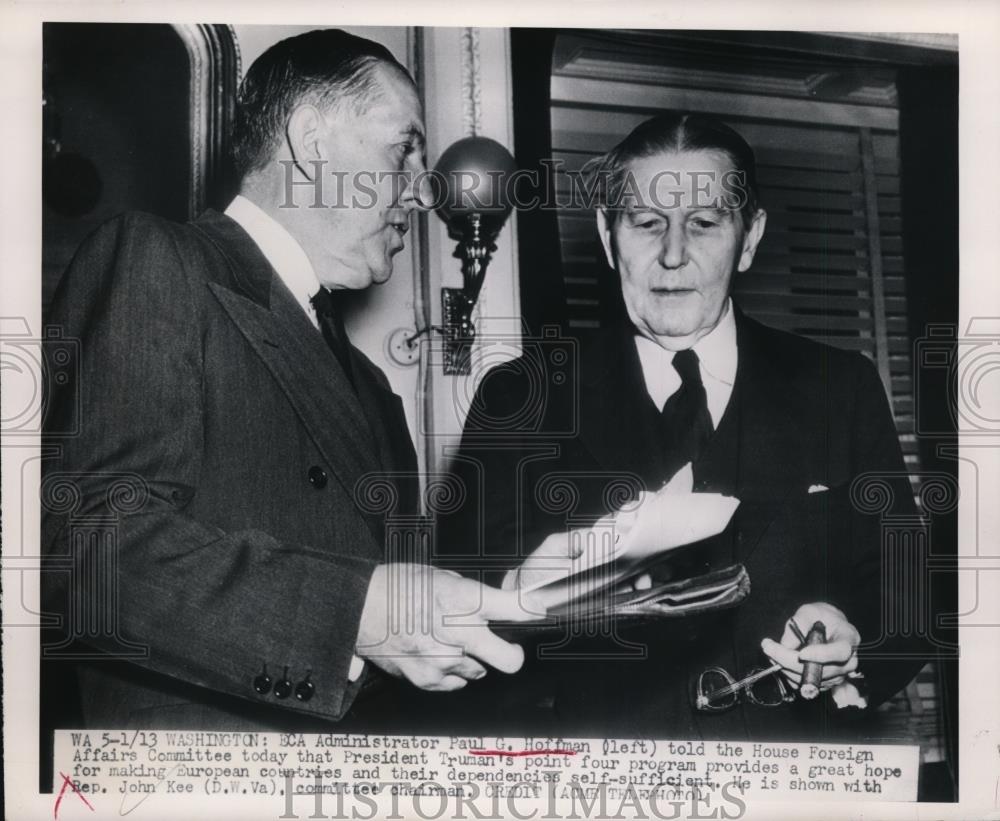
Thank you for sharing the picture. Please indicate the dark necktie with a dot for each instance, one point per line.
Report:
(686, 423)
(331, 323)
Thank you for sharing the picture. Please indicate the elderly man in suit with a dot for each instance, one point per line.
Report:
(784, 424)
(249, 584)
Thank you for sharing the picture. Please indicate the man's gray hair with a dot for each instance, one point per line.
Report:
(326, 67)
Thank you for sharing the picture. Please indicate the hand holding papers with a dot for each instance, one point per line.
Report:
(569, 566)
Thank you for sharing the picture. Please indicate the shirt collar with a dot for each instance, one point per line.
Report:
(717, 352)
(280, 249)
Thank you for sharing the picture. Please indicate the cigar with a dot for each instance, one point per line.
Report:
(812, 671)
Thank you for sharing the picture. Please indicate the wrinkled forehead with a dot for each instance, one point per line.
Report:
(681, 179)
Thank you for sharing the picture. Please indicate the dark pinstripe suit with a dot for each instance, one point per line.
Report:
(202, 381)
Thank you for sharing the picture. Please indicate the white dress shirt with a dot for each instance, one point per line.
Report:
(292, 266)
(280, 249)
(717, 359)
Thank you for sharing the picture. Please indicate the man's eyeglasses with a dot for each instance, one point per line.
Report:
(718, 691)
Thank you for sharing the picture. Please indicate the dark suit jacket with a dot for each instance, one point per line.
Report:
(222, 445)
(554, 441)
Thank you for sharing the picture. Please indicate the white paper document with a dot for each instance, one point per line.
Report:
(619, 543)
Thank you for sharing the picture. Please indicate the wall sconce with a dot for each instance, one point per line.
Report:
(475, 204)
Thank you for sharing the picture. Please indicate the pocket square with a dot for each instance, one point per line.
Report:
(817, 488)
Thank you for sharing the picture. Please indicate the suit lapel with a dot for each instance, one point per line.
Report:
(772, 449)
(614, 422)
(298, 358)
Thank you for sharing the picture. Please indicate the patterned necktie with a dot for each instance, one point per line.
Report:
(331, 323)
(686, 422)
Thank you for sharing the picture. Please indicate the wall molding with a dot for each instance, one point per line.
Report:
(214, 57)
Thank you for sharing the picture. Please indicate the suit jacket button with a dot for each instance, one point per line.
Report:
(317, 477)
(283, 689)
(305, 690)
(262, 684)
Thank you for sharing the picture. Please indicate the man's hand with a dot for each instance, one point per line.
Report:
(429, 626)
(838, 656)
(553, 558)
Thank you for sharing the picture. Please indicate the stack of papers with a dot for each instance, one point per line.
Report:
(621, 544)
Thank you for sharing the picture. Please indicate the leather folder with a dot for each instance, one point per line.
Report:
(683, 598)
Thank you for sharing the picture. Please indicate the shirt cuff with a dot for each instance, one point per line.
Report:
(357, 668)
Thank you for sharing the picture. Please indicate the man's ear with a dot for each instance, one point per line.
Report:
(751, 239)
(304, 133)
(604, 232)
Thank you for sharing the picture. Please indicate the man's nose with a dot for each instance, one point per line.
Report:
(418, 194)
(673, 253)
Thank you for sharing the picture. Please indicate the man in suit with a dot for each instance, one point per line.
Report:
(784, 424)
(232, 441)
